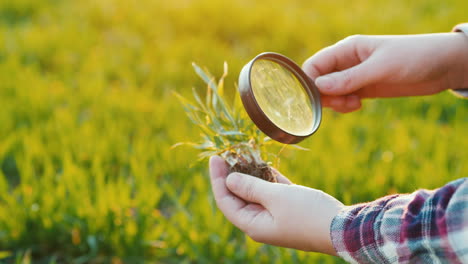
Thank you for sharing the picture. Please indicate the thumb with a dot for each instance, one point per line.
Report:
(349, 80)
(250, 188)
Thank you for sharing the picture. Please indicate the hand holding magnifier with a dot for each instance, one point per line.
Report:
(280, 98)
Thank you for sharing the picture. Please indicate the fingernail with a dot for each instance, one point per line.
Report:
(324, 82)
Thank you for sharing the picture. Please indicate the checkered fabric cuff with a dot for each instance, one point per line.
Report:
(461, 28)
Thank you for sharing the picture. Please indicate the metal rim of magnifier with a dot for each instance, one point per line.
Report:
(259, 117)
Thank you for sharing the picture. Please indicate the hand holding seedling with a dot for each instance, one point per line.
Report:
(388, 66)
(281, 214)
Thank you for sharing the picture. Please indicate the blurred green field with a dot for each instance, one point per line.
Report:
(87, 119)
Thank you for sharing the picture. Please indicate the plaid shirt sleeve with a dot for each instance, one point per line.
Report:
(422, 227)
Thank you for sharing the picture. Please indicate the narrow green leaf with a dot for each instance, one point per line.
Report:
(297, 147)
(217, 103)
(206, 77)
(176, 145)
(223, 108)
(198, 99)
(218, 141)
(232, 133)
(208, 145)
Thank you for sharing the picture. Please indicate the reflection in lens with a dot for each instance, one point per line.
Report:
(282, 97)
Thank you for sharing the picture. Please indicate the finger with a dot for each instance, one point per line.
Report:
(352, 103)
(251, 218)
(227, 202)
(254, 220)
(397, 90)
(251, 189)
(218, 174)
(342, 104)
(350, 80)
(340, 56)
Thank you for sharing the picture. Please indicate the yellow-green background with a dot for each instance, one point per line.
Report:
(87, 119)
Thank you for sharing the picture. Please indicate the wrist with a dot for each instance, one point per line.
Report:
(331, 249)
(318, 235)
(458, 65)
(462, 57)
(326, 246)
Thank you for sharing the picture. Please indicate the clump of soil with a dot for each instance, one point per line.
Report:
(258, 169)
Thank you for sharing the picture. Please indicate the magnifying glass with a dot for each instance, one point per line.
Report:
(280, 98)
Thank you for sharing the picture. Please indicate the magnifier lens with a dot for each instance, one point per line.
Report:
(282, 97)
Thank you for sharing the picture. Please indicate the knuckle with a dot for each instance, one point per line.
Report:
(347, 79)
(353, 39)
(311, 70)
(249, 190)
